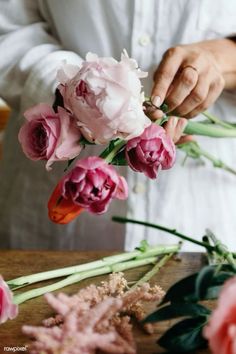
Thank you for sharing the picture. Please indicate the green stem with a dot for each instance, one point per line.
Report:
(107, 155)
(216, 162)
(174, 232)
(155, 269)
(75, 278)
(216, 120)
(106, 261)
(192, 149)
(211, 130)
(162, 228)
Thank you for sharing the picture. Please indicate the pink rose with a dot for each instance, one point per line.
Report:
(50, 136)
(105, 97)
(8, 310)
(151, 151)
(92, 184)
(221, 328)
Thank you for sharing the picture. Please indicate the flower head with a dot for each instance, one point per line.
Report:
(221, 329)
(8, 310)
(49, 136)
(92, 184)
(151, 151)
(61, 210)
(105, 97)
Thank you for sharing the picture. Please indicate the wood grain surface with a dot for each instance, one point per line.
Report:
(17, 263)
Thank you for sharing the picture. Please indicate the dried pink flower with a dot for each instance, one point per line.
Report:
(93, 319)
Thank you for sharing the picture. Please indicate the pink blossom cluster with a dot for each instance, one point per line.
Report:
(96, 318)
(102, 101)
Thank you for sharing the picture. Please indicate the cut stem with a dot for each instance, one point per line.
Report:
(155, 269)
(106, 261)
(75, 278)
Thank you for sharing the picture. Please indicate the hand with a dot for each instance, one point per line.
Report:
(189, 78)
(175, 128)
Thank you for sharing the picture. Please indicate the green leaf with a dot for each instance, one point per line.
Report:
(177, 309)
(109, 148)
(184, 289)
(164, 107)
(212, 292)
(203, 280)
(143, 246)
(84, 141)
(69, 163)
(185, 336)
(120, 159)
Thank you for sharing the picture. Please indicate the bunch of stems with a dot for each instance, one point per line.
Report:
(77, 273)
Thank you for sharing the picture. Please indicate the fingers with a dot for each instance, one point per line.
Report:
(165, 74)
(189, 79)
(185, 139)
(195, 98)
(181, 87)
(175, 127)
(213, 93)
(153, 113)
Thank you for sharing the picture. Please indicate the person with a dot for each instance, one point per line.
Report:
(189, 46)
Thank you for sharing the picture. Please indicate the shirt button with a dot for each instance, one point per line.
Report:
(139, 188)
(144, 40)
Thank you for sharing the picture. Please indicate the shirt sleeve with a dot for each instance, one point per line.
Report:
(30, 55)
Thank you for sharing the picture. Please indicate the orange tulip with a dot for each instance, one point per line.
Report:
(61, 210)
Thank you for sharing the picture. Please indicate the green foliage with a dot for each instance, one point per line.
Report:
(143, 246)
(181, 301)
(185, 336)
(120, 159)
(183, 290)
(177, 309)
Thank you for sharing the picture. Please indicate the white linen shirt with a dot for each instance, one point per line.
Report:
(35, 37)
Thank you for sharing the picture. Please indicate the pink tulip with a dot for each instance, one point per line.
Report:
(92, 184)
(49, 136)
(151, 151)
(105, 97)
(221, 328)
(8, 310)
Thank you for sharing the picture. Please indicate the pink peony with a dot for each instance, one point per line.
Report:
(105, 97)
(221, 329)
(92, 184)
(151, 151)
(50, 136)
(8, 310)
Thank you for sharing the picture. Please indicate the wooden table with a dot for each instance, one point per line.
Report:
(17, 263)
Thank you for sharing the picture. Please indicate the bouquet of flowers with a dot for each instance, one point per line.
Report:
(101, 102)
